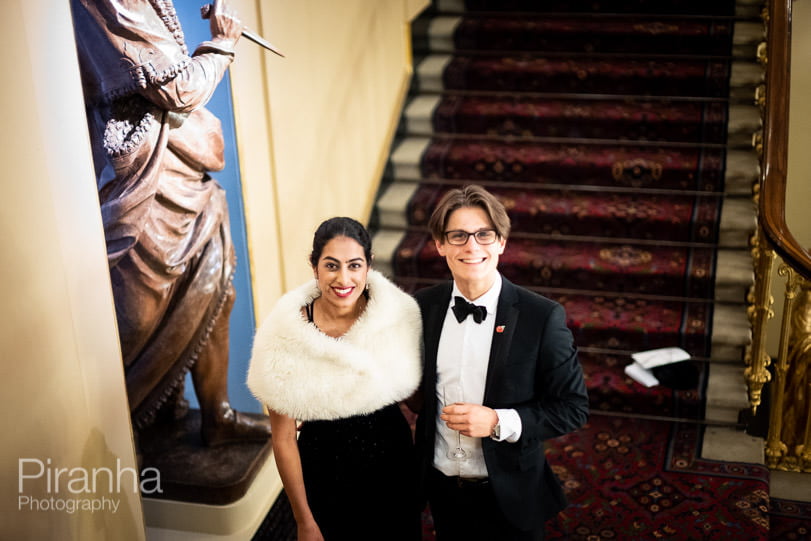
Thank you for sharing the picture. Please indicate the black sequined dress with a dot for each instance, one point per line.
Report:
(360, 476)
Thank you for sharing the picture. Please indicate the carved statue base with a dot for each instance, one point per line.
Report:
(190, 471)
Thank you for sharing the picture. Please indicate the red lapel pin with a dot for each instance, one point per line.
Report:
(500, 328)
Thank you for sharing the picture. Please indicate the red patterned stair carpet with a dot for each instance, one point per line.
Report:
(627, 119)
(602, 127)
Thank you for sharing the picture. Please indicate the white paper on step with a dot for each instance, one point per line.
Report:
(660, 357)
(644, 361)
(641, 375)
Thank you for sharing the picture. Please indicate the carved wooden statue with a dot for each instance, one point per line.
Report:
(165, 219)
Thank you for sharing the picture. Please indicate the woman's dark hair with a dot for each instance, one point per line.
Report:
(340, 227)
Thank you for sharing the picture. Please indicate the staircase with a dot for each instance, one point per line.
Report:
(621, 143)
(618, 135)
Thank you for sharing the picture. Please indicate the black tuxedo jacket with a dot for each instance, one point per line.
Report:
(533, 369)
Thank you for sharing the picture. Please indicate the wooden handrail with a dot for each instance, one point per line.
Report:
(772, 206)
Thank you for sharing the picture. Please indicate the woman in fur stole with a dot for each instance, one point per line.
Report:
(339, 353)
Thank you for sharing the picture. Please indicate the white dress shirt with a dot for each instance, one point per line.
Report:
(462, 360)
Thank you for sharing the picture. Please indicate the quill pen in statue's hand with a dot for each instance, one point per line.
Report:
(205, 12)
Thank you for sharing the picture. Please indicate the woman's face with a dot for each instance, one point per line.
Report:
(341, 271)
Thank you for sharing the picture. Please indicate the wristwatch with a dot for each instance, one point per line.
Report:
(495, 434)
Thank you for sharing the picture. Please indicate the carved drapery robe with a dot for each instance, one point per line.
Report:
(165, 219)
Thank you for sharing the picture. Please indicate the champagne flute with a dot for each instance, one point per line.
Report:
(452, 394)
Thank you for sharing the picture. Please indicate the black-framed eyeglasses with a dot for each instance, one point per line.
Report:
(458, 237)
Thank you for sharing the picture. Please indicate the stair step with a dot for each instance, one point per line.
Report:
(744, 79)
(746, 38)
(732, 445)
(588, 212)
(633, 324)
(726, 393)
(604, 118)
(584, 164)
(605, 266)
(550, 32)
(697, 79)
(740, 173)
(406, 156)
(730, 333)
(384, 246)
(734, 274)
(744, 122)
(580, 33)
(418, 114)
(407, 204)
(641, 118)
(392, 206)
(610, 389)
(676, 217)
(626, 323)
(533, 73)
(684, 7)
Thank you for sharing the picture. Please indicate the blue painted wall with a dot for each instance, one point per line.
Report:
(243, 322)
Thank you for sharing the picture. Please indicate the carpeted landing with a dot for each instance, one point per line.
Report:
(617, 134)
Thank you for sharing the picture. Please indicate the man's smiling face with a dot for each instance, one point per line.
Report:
(473, 265)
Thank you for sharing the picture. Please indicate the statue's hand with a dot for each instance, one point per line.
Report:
(226, 28)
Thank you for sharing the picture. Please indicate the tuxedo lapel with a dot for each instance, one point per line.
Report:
(432, 325)
(434, 309)
(506, 322)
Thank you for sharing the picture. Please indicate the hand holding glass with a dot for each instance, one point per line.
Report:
(452, 394)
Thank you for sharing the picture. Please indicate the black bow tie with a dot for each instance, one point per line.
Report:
(461, 309)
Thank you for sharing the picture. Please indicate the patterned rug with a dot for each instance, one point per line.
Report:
(640, 479)
(789, 520)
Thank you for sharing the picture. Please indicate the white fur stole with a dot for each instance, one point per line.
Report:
(301, 372)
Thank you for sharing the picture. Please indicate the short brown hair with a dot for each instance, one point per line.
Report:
(472, 195)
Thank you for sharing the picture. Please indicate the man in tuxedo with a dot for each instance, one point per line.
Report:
(501, 376)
